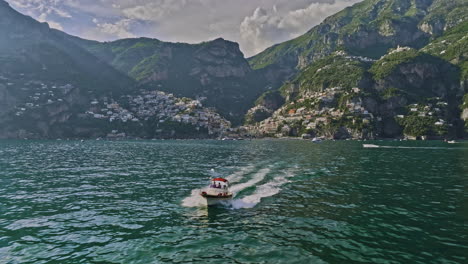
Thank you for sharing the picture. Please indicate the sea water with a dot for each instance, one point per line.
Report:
(295, 202)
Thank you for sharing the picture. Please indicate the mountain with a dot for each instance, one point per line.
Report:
(38, 62)
(35, 50)
(369, 29)
(216, 72)
(376, 69)
(51, 87)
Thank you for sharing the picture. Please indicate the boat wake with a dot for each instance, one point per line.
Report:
(238, 175)
(257, 177)
(263, 191)
(404, 147)
(194, 200)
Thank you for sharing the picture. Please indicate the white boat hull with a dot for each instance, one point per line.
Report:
(217, 201)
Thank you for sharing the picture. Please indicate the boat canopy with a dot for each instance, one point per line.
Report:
(220, 179)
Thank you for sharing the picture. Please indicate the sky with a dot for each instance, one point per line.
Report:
(254, 24)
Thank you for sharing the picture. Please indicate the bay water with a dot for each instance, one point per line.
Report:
(295, 202)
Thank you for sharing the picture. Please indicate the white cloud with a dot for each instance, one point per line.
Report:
(120, 29)
(154, 10)
(104, 30)
(43, 11)
(48, 7)
(255, 24)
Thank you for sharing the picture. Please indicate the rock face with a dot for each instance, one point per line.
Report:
(220, 59)
(464, 115)
(423, 76)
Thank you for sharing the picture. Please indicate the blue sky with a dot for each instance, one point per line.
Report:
(254, 24)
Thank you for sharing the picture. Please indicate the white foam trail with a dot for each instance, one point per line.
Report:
(404, 147)
(266, 190)
(257, 177)
(194, 200)
(238, 175)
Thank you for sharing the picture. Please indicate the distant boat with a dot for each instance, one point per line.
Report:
(317, 140)
(217, 192)
(452, 142)
(370, 146)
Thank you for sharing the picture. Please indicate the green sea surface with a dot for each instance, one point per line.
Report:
(295, 202)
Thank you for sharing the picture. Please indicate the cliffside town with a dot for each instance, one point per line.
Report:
(158, 107)
(339, 113)
(145, 113)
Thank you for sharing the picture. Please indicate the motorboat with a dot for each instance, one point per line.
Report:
(370, 146)
(452, 142)
(317, 140)
(217, 192)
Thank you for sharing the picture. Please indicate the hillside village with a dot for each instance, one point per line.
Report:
(35, 93)
(160, 107)
(142, 108)
(308, 116)
(338, 113)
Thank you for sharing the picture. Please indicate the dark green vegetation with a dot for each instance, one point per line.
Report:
(332, 71)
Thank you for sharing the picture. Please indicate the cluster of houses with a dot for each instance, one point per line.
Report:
(399, 49)
(39, 93)
(157, 106)
(310, 111)
(350, 57)
(435, 108)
